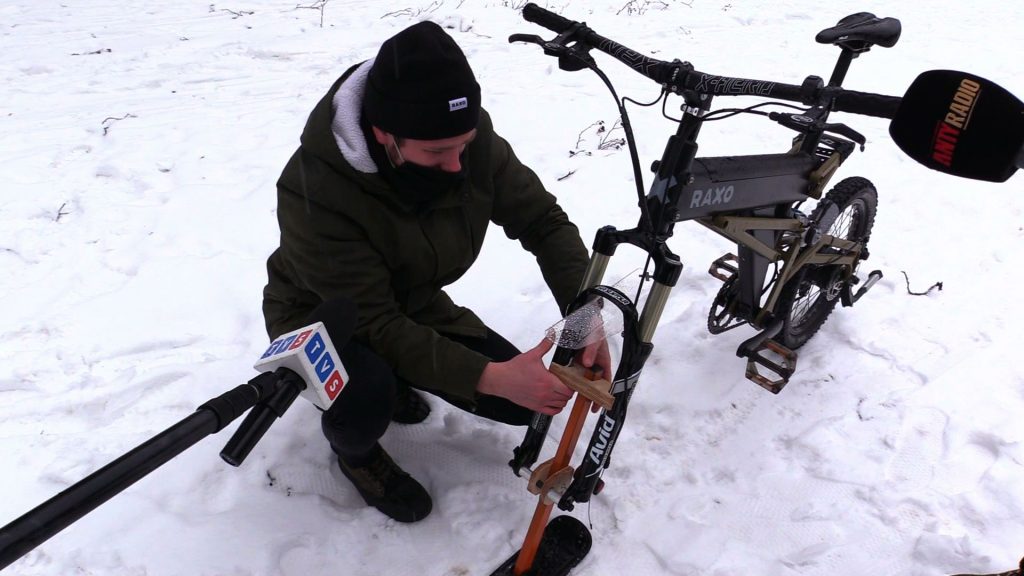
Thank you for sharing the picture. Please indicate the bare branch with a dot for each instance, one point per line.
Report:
(579, 139)
(106, 126)
(571, 172)
(100, 51)
(638, 7)
(605, 141)
(415, 12)
(239, 14)
(926, 292)
(402, 12)
(615, 143)
(61, 212)
(318, 5)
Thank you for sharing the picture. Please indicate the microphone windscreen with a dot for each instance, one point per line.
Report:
(960, 124)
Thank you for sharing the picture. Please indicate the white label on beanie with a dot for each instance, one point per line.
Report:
(457, 104)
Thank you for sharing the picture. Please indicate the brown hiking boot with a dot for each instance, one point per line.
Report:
(1018, 572)
(388, 488)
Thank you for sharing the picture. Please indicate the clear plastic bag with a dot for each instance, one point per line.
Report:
(592, 322)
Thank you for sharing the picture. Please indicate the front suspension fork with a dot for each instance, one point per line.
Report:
(525, 455)
(638, 331)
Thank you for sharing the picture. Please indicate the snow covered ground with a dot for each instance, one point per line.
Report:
(139, 150)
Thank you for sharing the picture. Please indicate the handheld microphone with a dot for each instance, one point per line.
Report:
(310, 352)
(304, 362)
(961, 124)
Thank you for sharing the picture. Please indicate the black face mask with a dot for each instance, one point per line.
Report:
(414, 184)
(421, 184)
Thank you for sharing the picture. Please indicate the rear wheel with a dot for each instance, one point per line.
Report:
(847, 211)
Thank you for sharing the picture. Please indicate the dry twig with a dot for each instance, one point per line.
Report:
(318, 5)
(239, 14)
(106, 127)
(926, 292)
(100, 51)
(417, 11)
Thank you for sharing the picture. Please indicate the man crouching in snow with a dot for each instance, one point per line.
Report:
(386, 202)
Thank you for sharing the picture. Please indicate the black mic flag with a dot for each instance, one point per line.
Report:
(961, 124)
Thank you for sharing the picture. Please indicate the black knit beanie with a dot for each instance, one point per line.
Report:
(421, 86)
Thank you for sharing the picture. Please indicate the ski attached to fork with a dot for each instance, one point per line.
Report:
(551, 549)
(565, 543)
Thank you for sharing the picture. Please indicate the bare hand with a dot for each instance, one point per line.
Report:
(597, 357)
(526, 381)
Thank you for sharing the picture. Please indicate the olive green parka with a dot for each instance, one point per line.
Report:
(345, 232)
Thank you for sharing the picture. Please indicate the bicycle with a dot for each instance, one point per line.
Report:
(751, 200)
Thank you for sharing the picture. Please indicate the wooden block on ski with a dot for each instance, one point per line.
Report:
(543, 481)
(576, 378)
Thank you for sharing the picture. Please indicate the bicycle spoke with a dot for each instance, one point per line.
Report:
(844, 223)
(802, 305)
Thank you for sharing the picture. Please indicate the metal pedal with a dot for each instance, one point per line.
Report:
(754, 350)
(724, 268)
(783, 371)
(849, 298)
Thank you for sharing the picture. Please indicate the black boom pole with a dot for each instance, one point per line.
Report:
(38, 525)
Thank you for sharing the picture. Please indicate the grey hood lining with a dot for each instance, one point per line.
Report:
(348, 133)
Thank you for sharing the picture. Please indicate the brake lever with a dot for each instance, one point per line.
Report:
(572, 54)
(844, 130)
(531, 38)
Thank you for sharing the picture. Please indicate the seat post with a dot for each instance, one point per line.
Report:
(842, 67)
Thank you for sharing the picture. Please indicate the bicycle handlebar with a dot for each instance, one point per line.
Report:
(657, 70)
(867, 103)
(546, 18)
(676, 76)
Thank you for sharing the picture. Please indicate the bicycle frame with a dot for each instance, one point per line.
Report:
(747, 199)
(759, 186)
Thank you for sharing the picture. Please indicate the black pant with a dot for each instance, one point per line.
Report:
(362, 412)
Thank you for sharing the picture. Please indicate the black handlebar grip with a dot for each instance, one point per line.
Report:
(546, 18)
(867, 103)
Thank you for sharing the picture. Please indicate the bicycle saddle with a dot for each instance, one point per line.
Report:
(859, 32)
